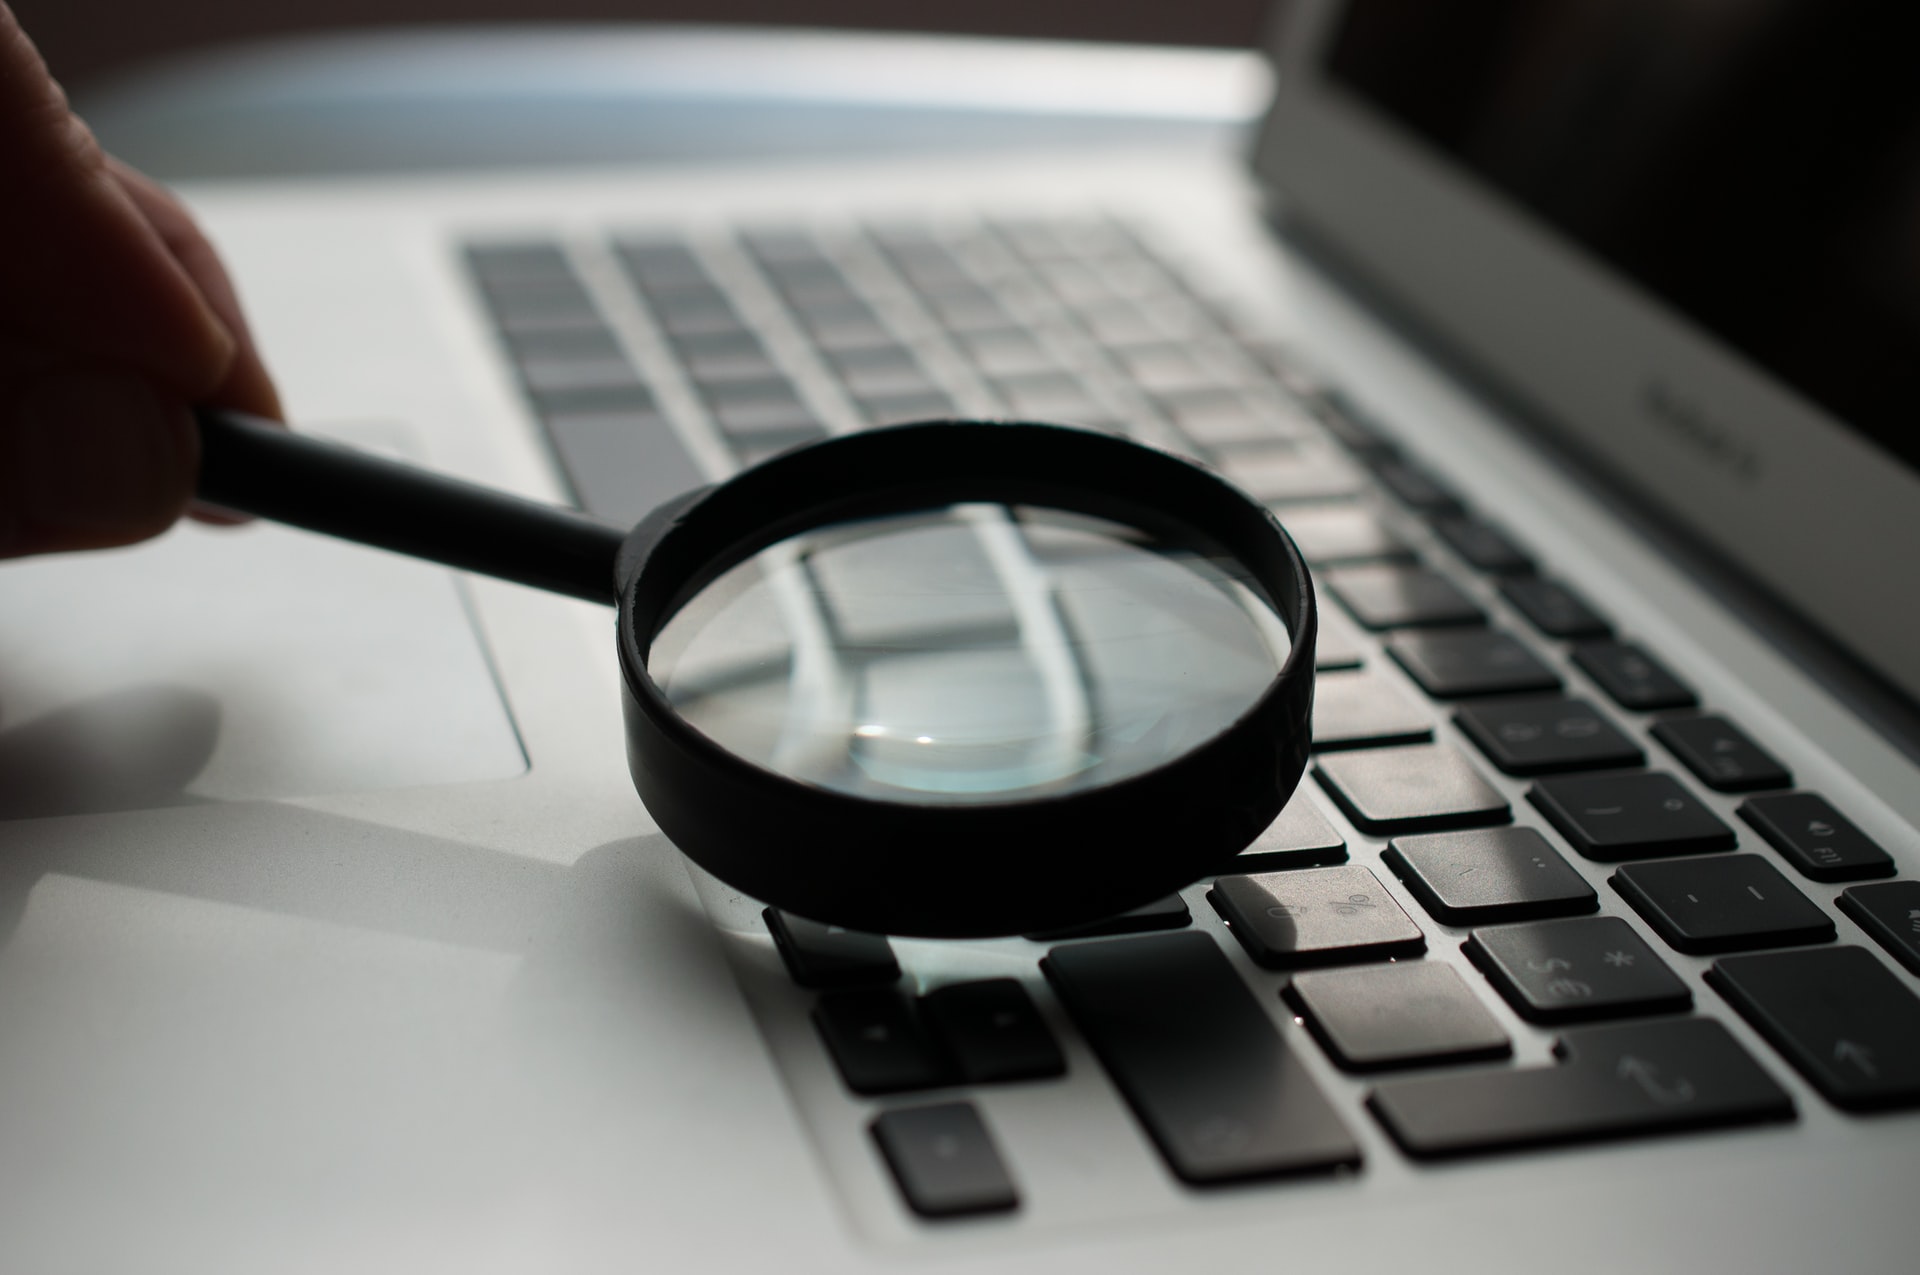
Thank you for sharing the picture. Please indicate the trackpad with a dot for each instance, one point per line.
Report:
(239, 663)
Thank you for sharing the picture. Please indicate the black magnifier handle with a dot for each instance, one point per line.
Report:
(254, 467)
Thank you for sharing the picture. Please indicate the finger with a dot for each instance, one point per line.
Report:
(80, 266)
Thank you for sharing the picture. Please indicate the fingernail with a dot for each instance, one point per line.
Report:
(101, 453)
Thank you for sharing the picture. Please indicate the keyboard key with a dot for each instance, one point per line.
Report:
(1554, 609)
(1361, 710)
(1316, 916)
(1630, 677)
(622, 465)
(1724, 904)
(1637, 816)
(1720, 755)
(1815, 838)
(1488, 875)
(827, 956)
(1339, 646)
(1842, 1018)
(991, 1031)
(1198, 1060)
(1284, 475)
(1484, 546)
(1417, 788)
(877, 1042)
(1452, 665)
(1301, 837)
(1416, 488)
(1580, 967)
(944, 1160)
(1406, 1014)
(1392, 597)
(1890, 912)
(1546, 736)
(1333, 535)
(1610, 1082)
(1169, 913)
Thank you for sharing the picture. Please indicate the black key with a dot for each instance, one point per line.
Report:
(1198, 1060)
(1842, 1018)
(1333, 535)
(827, 956)
(1815, 838)
(1364, 710)
(1489, 874)
(1484, 546)
(1316, 916)
(991, 1031)
(1720, 755)
(1611, 1082)
(1391, 597)
(1580, 967)
(1452, 665)
(1725, 904)
(1417, 788)
(877, 1041)
(944, 1160)
(1301, 837)
(1554, 609)
(1545, 736)
(623, 464)
(1630, 677)
(1379, 1016)
(1169, 913)
(1890, 912)
(1416, 488)
(1635, 816)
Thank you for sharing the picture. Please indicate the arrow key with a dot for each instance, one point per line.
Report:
(1842, 1018)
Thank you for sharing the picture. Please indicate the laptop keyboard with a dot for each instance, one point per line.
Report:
(657, 362)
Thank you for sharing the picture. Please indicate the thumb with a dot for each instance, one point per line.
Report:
(91, 457)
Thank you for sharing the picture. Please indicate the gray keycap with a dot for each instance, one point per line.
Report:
(1364, 709)
(1725, 904)
(1489, 874)
(1418, 788)
(944, 1160)
(1301, 837)
(1584, 967)
(1409, 1013)
(1391, 597)
(1316, 916)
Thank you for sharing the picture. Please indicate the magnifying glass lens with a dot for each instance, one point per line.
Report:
(973, 653)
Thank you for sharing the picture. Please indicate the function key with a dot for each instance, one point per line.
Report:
(878, 1042)
(1842, 1018)
(1488, 875)
(1364, 710)
(827, 956)
(1583, 967)
(1408, 1014)
(1890, 912)
(991, 1031)
(1553, 608)
(1722, 904)
(1484, 546)
(1544, 736)
(1611, 1082)
(1454, 665)
(944, 1160)
(1392, 597)
(1720, 755)
(1416, 488)
(1633, 816)
(1316, 916)
(1416, 788)
(1630, 677)
(1198, 1060)
(1815, 838)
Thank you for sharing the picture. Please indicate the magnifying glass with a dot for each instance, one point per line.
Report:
(951, 679)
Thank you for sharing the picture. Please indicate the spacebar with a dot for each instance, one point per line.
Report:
(1201, 1065)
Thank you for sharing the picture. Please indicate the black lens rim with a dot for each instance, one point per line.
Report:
(972, 870)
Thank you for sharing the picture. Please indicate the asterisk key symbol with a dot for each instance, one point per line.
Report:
(1618, 960)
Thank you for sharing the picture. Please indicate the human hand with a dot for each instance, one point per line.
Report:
(115, 316)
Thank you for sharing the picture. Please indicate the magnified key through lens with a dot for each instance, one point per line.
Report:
(950, 679)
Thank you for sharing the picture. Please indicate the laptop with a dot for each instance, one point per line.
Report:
(1567, 339)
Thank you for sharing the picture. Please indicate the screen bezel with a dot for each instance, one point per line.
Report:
(1810, 510)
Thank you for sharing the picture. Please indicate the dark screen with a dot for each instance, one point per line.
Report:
(1755, 163)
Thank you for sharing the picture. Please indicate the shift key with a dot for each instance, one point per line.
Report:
(1198, 1060)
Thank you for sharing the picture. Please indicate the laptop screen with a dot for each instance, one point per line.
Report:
(1753, 163)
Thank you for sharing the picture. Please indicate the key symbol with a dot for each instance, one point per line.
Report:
(1550, 965)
